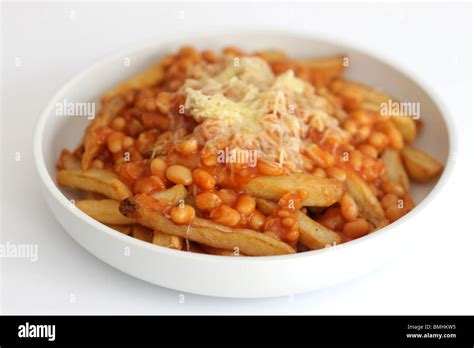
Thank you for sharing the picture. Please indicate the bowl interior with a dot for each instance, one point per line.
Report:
(66, 131)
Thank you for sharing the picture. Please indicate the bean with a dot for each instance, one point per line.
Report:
(349, 209)
(268, 168)
(203, 179)
(245, 204)
(257, 220)
(332, 219)
(179, 174)
(368, 150)
(227, 196)
(379, 140)
(226, 216)
(182, 215)
(187, 147)
(148, 185)
(336, 173)
(391, 187)
(118, 124)
(389, 200)
(114, 142)
(158, 167)
(356, 228)
(394, 213)
(207, 201)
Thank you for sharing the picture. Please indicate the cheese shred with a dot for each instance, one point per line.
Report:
(240, 103)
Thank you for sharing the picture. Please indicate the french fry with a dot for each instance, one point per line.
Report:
(93, 139)
(322, 70)
(167, 240)
(321, 192)
(203, 231)
(143, 233)
(221, 252)
(369, 205)
(173, 194)
(266, 206)
(94, 180)
(369, 106)
(272, 55)
(105, 211)
(194, 247)
(420, 166)
(366, 93)
(327, 63)
(312, 234)
(302, 248)
(406, 125)
(67, 160)
(92, 195)
(150, 77)
(394, 167)
(125, 229)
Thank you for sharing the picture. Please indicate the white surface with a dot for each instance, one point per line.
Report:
(435, 277)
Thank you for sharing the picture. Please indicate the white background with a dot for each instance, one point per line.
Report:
(434, 275)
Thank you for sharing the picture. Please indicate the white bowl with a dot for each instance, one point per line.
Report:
(228, 276)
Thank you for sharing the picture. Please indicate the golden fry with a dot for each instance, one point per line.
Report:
(321, 192)
(367, 93)
(150, 77)
(369, 205)
(395, 170)
(334, 62)
(125, 229)
(221, 252)
(67, 160)
(94, 140)
(272, 55)
(313, 235)
(143, 233)
(173, 194)
(94, 180)
(105, 211)
(406, 125)
(167, 240)
(420, 166)
(204, 231)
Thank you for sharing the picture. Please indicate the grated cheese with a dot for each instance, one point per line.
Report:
(240, 103)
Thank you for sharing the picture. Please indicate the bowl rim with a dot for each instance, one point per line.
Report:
(413, 76)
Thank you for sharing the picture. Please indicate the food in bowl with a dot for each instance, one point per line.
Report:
(246, 154)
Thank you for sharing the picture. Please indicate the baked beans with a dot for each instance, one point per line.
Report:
(182, 215)
(356, 228)
(257, 220)
(349, 209)
(226, 216)
(203, 179)
(179, 174)
(245, 204)
(207, 201)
